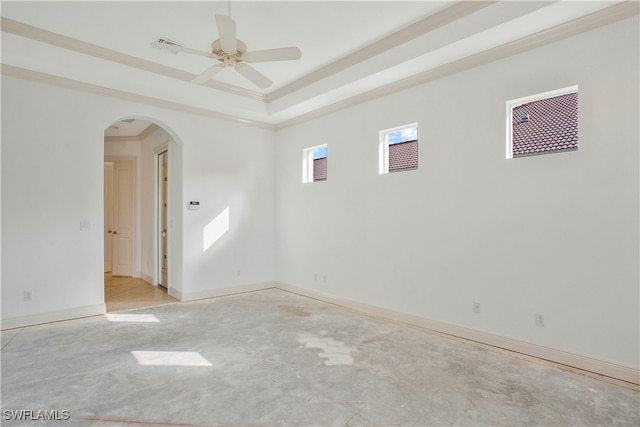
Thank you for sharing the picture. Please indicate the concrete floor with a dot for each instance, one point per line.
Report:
(272, 358)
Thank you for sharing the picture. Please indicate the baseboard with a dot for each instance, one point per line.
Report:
(53, 316)
(606, 368)
(147, 278)
(220, 292)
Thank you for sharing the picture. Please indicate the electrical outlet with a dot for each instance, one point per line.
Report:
(476, 307)
(27, 295)
(539, 319)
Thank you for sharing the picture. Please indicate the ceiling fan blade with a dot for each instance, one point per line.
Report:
(280, 54)
(255, 77)
(182, 49)
(227, 33)
(208, 73)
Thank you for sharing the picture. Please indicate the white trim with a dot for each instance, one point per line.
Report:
(626, 373)
(53, 316)
(544, 95)
(430, 23)
(617, 12)
(426, 25)
(220, 292)
(383, 152)
(36, 76)
(55, 39)
(603, 367)
(156, 201)
(146, 132)
(511, 104)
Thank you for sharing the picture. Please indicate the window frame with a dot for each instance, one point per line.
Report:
(514, 103)
(383, 147)
(307, 163)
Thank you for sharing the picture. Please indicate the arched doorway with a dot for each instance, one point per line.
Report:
(140, 174)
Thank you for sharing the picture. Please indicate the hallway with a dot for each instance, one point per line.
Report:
(126, 293)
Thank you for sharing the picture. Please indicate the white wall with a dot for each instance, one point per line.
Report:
(52, 142)
(51, 181)
(554, 234)
(232, 166)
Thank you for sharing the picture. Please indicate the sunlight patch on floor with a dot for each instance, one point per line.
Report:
(137, 318)
(170, 358)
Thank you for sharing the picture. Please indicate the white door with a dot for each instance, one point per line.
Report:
(123, 217)
(108, 216)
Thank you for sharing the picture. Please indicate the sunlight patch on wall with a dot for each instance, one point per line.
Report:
(170, 358)
(215, 229)
(138, 318)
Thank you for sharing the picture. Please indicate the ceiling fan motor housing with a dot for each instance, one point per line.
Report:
(229, 59)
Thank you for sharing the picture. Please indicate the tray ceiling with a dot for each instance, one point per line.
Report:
(351, 51)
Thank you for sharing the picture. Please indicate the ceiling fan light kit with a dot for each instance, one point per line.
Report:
(231, 52)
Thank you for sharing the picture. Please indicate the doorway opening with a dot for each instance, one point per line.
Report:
(137, 214)
(120, 215)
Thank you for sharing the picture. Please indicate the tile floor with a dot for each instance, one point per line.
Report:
(124, 293)
(272, 358)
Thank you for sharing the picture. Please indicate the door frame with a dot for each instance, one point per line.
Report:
(136, 211)
(107, 222)
(157, 263)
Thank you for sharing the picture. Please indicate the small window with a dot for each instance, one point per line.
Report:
(399, 149)
(544, 123)
(314, 163)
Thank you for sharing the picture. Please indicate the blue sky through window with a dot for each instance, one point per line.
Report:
(319, 153)
(403, 135)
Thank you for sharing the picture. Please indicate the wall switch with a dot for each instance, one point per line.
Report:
(315, 276)
(27, 295)
(85, 225)
(539, 319)
(476, 307)
(324, 278)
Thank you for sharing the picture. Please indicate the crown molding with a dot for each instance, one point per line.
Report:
(36, 76)
(430, 23)
(140, 137)
(121, 138)
(594, 20)
(69, 43)
(148, 131)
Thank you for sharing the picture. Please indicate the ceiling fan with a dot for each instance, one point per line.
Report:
(231, 52)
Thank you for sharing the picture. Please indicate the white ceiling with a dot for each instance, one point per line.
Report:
(349, 49)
